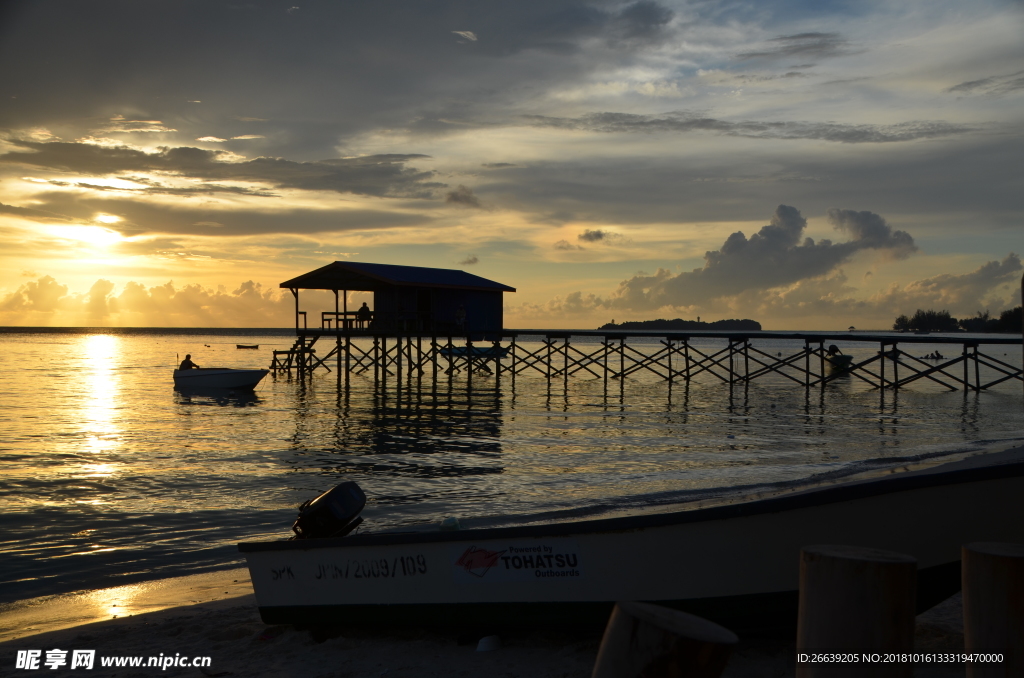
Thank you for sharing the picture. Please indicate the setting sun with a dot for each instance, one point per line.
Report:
(93, 235)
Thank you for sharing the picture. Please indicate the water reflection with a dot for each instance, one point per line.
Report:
(215, 396)
(417, 433)
(100, 453)
(102, 402)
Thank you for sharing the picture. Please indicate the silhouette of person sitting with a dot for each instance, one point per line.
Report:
(187, 363)
(364, 315)
(834, 350)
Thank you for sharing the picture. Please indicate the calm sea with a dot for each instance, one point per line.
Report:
(110, 476)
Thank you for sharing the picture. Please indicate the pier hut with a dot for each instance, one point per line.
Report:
(406, 299)
(409, 302)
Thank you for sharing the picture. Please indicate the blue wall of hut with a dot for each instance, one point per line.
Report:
(435, 310)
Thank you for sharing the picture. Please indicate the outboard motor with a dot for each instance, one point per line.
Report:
(334, 513)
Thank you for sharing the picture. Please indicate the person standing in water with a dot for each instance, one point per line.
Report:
(187, 363)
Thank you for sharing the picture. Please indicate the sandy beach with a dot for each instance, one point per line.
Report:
(214, 615)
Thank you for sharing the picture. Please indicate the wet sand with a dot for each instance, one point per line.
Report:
(215, 615)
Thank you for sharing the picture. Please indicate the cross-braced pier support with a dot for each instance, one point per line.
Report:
(672, 357)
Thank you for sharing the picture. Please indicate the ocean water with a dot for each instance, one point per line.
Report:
(107, 475)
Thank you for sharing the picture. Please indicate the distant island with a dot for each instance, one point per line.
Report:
(680, 324)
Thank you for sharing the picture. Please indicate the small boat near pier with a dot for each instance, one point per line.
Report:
(218, 378)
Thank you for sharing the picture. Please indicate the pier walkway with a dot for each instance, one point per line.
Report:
(740, 357)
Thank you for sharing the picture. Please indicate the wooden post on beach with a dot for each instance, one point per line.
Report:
(858, 600)
(993, 589)
(650, 640)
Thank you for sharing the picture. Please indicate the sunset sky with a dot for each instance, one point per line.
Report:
(811, 165)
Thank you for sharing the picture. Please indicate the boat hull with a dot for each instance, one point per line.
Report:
(839, 363)
(218, 378)
(736, 564)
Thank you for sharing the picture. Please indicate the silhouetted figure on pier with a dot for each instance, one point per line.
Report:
(834, 350)
(187, 363)
(364, 315)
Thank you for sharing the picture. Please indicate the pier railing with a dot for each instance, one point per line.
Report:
(674, 356)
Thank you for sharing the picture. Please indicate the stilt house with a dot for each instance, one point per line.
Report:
(406, 299)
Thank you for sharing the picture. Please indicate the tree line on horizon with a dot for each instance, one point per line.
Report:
(1009, 321)
(680, 324)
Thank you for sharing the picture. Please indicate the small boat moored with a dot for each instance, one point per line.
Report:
(218, 378)
(839, 363)
(250, 346)
(475, 351)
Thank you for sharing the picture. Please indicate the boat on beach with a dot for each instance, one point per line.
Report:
(218, 378)
(736, 563)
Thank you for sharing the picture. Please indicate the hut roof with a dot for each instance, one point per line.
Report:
(363, 277)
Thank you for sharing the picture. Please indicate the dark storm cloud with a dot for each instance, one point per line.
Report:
(316, 75)
(683, 122)
(772, 257)
(602, 236)
(462, 195)
(378, 175)
(802, 45)
(184, 218)
(595, 235)
(641, 189)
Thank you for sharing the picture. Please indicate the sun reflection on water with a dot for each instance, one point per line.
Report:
(99, 415)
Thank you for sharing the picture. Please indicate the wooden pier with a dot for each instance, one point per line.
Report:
(669, 356)
(446, 322)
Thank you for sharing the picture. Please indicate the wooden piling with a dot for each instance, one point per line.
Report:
(643, 640)
(895, 368)
(977, 371)
(855, 599)
(992, 575)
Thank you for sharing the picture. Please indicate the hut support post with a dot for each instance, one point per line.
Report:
(337, 339)
(348, 358)
(512, 350)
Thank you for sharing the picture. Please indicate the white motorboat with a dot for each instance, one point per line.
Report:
(218, 378)
(735, 563)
